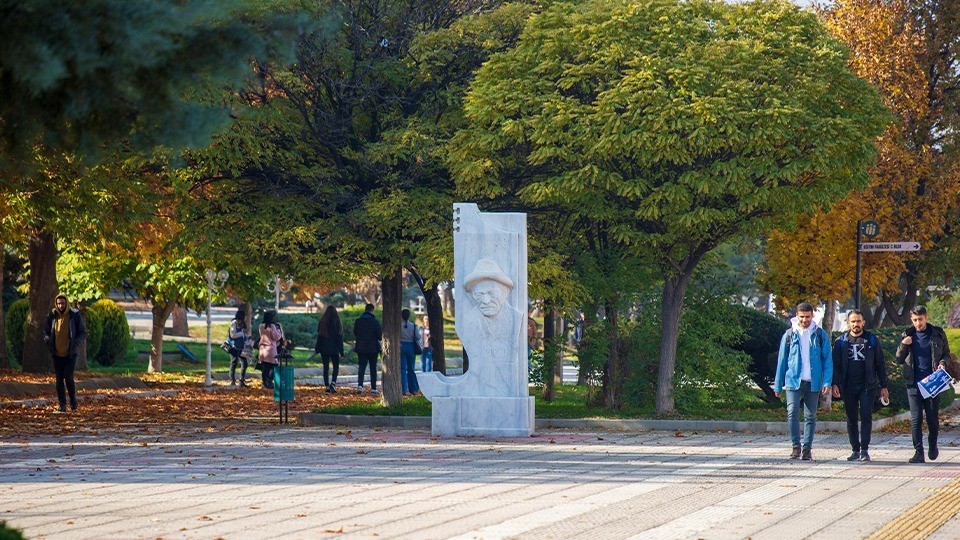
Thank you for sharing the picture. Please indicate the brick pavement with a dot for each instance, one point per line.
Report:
(287, 482)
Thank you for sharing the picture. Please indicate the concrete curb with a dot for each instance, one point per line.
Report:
(318, 419)
(23, 389)
(43, 402)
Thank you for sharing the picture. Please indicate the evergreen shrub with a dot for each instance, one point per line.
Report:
(116, 332)
(16, 327)
(94, 324)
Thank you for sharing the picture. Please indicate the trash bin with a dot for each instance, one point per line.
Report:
(283, 387)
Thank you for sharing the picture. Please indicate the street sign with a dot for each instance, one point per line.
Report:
(870, 229)
(890, 246)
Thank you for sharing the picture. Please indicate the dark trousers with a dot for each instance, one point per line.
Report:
(858, 404)
(234, 362)
(268, 374)
(920, 407)
(327, 358)
(365, 359)
(64, 366)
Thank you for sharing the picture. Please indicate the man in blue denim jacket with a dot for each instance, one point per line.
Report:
(805, 369)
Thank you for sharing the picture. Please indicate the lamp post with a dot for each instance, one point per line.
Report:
(215, 281)
(278, 287)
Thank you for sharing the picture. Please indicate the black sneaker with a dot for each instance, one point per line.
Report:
(795, 453)
(917, 457)
(63, 407)
(854, 456)
(329, 389)
(73, 407)
(806, 455)
(864, 456)
(333, 388)
(933, 453)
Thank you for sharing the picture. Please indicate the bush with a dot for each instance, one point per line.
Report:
(16, 327)
(9, 533)
(94, 324)
(349, 316)
(709, 371)
(761, 342)
(116, 332)
(299, 328)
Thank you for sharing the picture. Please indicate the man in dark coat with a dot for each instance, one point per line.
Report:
(858, 370)
(368, 334)
(63, 334)
(923, 349)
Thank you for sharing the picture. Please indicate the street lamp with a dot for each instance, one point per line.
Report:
(215, 281)
(278, 287)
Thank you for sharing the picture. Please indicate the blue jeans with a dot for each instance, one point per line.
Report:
(408, 363)
(810, 398)
(426, 360)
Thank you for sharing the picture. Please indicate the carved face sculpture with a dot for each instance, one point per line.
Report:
(489, 296)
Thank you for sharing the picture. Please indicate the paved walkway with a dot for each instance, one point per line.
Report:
(287, 482)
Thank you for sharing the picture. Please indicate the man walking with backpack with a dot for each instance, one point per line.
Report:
(858, 368)
(805, 369)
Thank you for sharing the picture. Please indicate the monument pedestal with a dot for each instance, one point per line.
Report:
(483, 416)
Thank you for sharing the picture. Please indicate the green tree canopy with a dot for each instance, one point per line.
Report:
(673, 125)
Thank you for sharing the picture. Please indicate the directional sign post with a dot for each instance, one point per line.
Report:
(871, 229)
(890, 246)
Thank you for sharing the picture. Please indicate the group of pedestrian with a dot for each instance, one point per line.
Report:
(853, 368)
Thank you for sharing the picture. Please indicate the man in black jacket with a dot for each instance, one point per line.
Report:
(368, 334)
(63, 334)
(922, 351)
(858, 368)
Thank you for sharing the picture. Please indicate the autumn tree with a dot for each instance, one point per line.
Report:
(906, 49)
(340, 153)
(78, 80)
(669, 128)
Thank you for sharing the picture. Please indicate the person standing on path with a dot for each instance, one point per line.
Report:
(858, 369)
(63, 334)
(923, 349)
(368, 335)
(805, 369)
(271, 335)
(330, 345)
(426, 359)
(409, 335)
(238, 338)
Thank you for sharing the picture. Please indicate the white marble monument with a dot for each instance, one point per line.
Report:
(490, 275)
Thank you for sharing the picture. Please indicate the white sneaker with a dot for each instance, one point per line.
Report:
(359, 389)
(375, 392)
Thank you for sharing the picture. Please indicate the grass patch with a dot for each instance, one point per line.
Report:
(219, 359)
(571, 403)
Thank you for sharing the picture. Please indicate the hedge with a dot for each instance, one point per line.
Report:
(116, 332)
(16, 327)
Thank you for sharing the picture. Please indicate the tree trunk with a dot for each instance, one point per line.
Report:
(4, 355)
(899, 315)
(82, 349)
(561, 339)
(872, 316)
(614, 370)
(674, 288)
(42, 254)
(549, 349)
(180, 325)
(589, 319)
(391, 294)
(449, 303)
(160, 311)
(829, 316)
(435, 317)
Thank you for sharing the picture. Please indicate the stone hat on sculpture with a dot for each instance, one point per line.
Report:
(487, 269)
